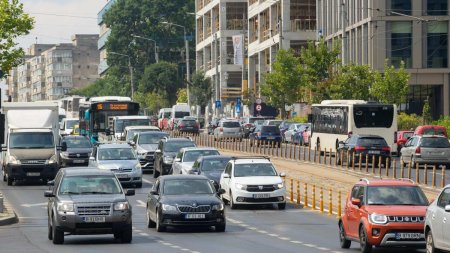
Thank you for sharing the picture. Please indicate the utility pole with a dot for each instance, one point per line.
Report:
(131, 78)
(244, 57)
(345, 57)
(217, 77)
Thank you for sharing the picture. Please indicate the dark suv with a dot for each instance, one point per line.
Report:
(75, 151)
(266, 134)
(366, 145)
(85, 201)
(166, 152)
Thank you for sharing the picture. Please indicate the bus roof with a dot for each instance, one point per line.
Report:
(108, 98)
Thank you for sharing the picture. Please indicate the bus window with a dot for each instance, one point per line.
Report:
(373, 116)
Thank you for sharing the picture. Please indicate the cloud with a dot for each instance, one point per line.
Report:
(58, 20)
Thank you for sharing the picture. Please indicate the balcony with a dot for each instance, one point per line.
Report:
(102, 40)
(235, 24)
(231, 92)
(303, 25)
(103, 11)
(265, 34)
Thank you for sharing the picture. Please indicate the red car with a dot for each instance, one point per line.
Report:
(402, 137)
(431, 130)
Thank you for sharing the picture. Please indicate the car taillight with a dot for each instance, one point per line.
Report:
(418, 150)
(360, 148)
(388, 149)
(221, 129)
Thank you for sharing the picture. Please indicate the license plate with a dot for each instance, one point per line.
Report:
(261, 196)
(94, 219)
(195, 216)
(271, 138)
(33, 174)
(78, 161)
(374, 152)
(407, 236)
(121, 175)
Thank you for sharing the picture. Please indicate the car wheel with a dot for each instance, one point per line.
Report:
(4, 176)
(220, 228)
(338, 157)
(232, 204)
(282, 206)
(430, 243)
(159, 227)
(50, 232)
(9, 180)
(150, 223)
(345, 244)
(363, 241)
(57, 234)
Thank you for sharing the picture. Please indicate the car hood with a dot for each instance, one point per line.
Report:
(79, 150)
(116, 164)
(93, 198)
(148, 147)
(171, 154)
(398, 210)
(258, 180)
(28, 154)
(213, 175)
(188, 199)
(187, 165)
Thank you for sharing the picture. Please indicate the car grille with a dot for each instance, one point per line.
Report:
(95, 209)
(406, 219)
(260, 188)
(253, 200)
(121, 170)
(149, 155)
(192, 209)
(79, 155)
(37, 162)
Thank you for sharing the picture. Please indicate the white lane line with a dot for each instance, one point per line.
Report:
(141, 203)
(323, 248)
(137, 231)
(174, 246)
(296, 242)
(310, 245)
(147, 181)
(143, 234)
(36, 204)
(273, 235)
(285, 238)
(262, 231)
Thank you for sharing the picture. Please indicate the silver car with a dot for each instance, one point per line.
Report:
(228, 129)
(437, 223)
(186, 157)
(427, 149)
(120, 159)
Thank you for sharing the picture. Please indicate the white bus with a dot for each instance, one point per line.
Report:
(335, 120)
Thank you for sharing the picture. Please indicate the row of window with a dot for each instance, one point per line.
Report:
(430, 7)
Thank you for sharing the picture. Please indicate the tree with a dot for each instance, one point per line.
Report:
(151, 101)
(282, 85)
(200, 89)
(392, 86)
(13, 23)
(352, 82)
(426, 112)
(182, 96)
(161, 78)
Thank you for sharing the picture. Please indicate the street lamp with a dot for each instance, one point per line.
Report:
(186, 43)
(131, 70)
(154, 41)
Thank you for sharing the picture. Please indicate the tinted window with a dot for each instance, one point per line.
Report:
(217, 165)
(270, 129)
(254, 170)
(31, 140)
(189, 122)
(187, 186)
(372, 142)
(95, 184)
(191, 156)
(330, 119)
(373, 115)
(444, 199)
(78, 143)
(396, 195)
(116, 154)
(435, 143)
(231, 124)
(433, 131)
(181, 114)
(175, 146)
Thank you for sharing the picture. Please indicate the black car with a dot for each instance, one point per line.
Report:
(166, 152)
(366, 145)
(75, 151)
(185, 200)
(211, 167)
(188, 126)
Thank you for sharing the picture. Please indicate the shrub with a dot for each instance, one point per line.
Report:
(408, 121)
(299, 119)
(444, 121)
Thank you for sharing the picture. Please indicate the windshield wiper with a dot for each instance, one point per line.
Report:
(95, 192)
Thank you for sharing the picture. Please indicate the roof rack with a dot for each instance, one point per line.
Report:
(406, 179)
(249, 157)
(365, 179)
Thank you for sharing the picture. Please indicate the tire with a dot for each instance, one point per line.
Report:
(223, 199)
(9, 180)
(345, 244)
(338, 158)
(430, 243)
(364, 244)
(57, 235)
(126, 236)
(220, 228)
(281, 206)
(158, 226)
(150, 223)
(50, 232)
(232, 204)
(4, 176)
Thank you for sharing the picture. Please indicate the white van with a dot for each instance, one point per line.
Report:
(179, 111)
(163, 118)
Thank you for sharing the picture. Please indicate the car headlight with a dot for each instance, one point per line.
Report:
(52, 160)
(169, 208)
(218, 207)
(241, 186)
(13, 160)
(120, 206)
(278, 186)
(137, 167)
(65, 154)
(101, 167)
(378, 218)
(168, 159)
(65, 207)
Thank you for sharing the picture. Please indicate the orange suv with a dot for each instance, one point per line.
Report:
(384, 213)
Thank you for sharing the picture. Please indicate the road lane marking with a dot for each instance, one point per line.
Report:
(141, 203)
(36, 204)
(147, 181)
(174, 246)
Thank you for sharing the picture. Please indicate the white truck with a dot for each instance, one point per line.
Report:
(31, 139)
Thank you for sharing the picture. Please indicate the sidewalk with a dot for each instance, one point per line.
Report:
(8, 216)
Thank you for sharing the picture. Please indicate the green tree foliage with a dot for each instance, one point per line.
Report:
(151, 101)
(283, 83)
(426, 112)
(352, 82)
(200, 89)
(13, 23)
(161, 78)
(444, 121)
(182, 96)
(392, 86)
(408, 121)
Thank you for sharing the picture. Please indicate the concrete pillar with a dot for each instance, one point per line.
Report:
(446, 91)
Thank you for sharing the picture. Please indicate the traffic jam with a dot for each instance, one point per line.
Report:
(94, 160)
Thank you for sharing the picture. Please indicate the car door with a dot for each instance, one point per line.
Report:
(225, 182)
(176, 165)
(441, 219)
(93, 157)
(405, 151)
(152, 200)
(353, 212)
(54, 188)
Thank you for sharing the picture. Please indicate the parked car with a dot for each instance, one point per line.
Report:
(301, 136)
(87, 201)
(284, 126)
(383, 213)
(130, 131)
(431, 130)
(188, 126)
(187, 156)
(402, 138)
(75, 151)
(427, 149)
(167, 149)
(252, 180)
(145, 145)
(370, 146)
(211, 167)
(228, 129)
(120, 159)
(437, 225)
(185, 200)
(212, 125)
(266, 134)
(293, 129)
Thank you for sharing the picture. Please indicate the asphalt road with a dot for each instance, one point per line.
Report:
(255, 229)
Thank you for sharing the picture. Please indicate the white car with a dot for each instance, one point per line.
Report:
(293, 129)
(252, 180)
(186, 157)
(437, 223)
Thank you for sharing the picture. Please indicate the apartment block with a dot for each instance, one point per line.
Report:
(104, 33)
(413, 31)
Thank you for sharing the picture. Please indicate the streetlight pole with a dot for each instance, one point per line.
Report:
(131, 71)
(186, 43)
(154, 41)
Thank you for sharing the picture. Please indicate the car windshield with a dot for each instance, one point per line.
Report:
(372, 142)
(434, 142)
(116, 154)
(288, 124)
(175, 146)
(187, 186)
(180, 115)
(254, 170)
(274, 123)
(193, 155)
(31, 140)
(132, 133)
(407, 135)
(214, 165)
(71, 123)
(270, 129)
(433, 131)
(231, 124)
(78, 143)
(396, 195)
(151, 138)
(89, 184)
(188, 122)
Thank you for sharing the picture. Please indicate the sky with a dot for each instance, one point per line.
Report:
(57, 20)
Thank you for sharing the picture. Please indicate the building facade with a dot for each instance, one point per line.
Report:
(412, 31)
(104, 33)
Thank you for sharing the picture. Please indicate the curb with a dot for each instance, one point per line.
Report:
(11, 218)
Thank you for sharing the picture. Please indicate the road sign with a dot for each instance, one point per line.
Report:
(258, 108)
(218, 104)
(238, 105)
(258, 101)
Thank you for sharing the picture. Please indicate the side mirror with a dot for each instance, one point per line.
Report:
(158, 151)
(282, 174)
(64, 146)
(4, 147)
(356, 202)
(51, 183)
(49, 194)
(154, 192)
(92, 158)
(226, 175)
(177, 159)
(220, 191)
(447, 208)
(129, 192)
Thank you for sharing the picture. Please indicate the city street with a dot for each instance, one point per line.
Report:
(255, 229)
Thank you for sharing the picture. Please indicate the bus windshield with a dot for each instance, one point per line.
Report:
(121, 124)
(373, 115)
